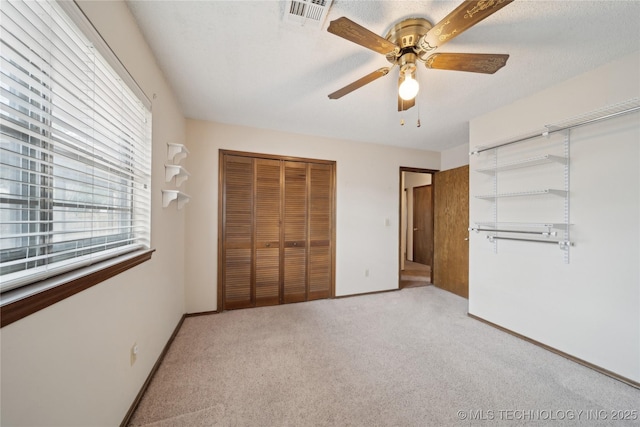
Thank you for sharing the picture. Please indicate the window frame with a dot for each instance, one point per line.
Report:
(22, 301)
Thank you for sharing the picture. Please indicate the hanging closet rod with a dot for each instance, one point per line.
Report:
(542, 233)
(556, 242)
(552, 129)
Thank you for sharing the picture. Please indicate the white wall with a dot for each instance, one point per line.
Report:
(589, 308)
(455, 157)
(68, 365)
(367, 193)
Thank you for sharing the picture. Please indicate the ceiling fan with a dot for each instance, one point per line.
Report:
(413, 40)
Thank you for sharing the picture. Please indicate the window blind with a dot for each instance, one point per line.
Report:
(74, 149)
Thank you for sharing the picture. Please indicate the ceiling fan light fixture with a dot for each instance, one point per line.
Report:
(413, 39)
(409, 87)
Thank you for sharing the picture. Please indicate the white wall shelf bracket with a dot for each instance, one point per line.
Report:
(170, 195)
(176, 152)
(177, 171)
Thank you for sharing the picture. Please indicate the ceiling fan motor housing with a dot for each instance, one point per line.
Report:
(406, 34)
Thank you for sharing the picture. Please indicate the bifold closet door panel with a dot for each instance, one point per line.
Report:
(320, 230)
(277, 230)
(267, 216)
(295, 232)
(238, 232)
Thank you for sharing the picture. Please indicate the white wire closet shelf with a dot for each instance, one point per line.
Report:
(557, 233)
(524, 163)
(555, 192)
(521, 224)
(629, 106)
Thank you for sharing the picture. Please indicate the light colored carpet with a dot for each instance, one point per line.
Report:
(406, 358)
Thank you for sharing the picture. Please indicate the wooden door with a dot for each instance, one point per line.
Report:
(277, 228)
(451, 211)
(320, 230)
(295, 232)
(237, 230)
(423, 225)
(267, 224)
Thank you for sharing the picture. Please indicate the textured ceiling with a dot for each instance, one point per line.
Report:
(240, 62)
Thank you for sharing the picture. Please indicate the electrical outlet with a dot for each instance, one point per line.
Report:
(134, 353)
(366, 272)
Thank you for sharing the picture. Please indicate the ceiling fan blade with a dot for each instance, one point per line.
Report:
(347, 29)
(404, 105)
(486, 63)
(465, 16)
(360, 82)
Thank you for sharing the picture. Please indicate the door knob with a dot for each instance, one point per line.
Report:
(415, 229)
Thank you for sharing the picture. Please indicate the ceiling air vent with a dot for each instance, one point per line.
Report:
(307, 12)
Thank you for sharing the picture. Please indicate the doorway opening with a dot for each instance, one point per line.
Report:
(416, 227)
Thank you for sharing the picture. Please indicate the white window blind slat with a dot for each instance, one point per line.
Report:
(69, 166)
(17, 108)
(113, 182)
(77, 16)
(116, 102)
(115, 247)
(96, 231)
(12, 67)
(81, 243)
(41, 272)
(59, 222)
(26, 35)
(111, 199)
(74, 146)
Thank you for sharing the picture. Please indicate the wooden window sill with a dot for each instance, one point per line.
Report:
(19, 303)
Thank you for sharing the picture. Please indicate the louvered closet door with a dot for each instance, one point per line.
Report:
(295, 232)
(267, 214)
(277, 230)
(238, 232)
(320, 230)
